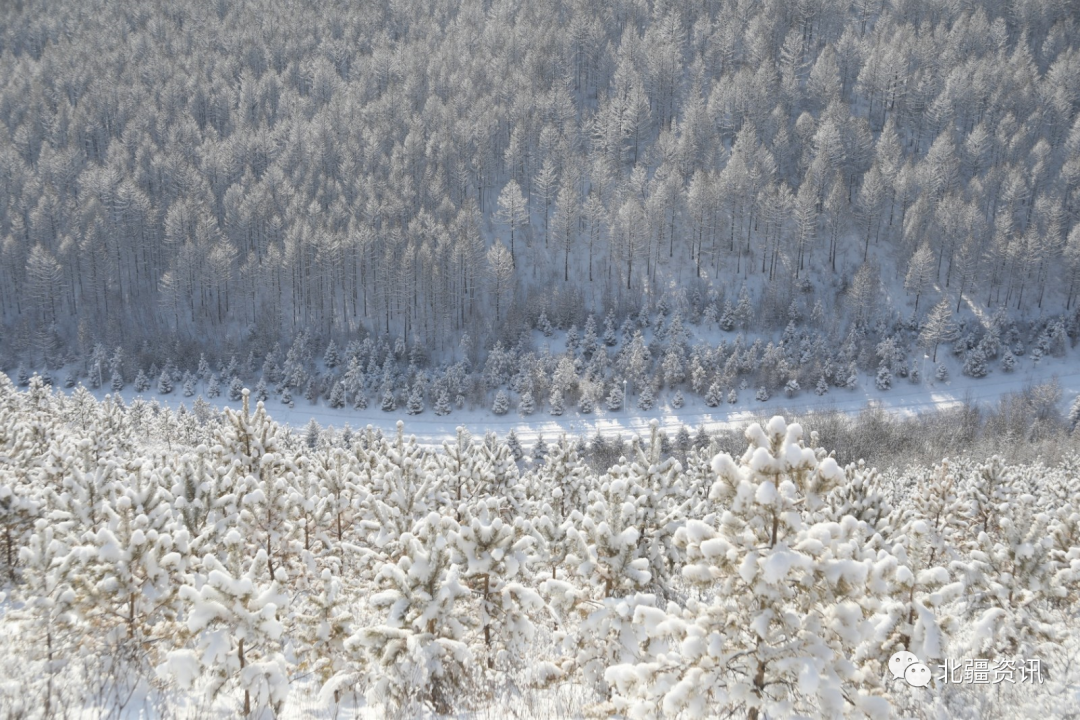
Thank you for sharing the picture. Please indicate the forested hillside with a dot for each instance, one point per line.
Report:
(219, 176)
(227, 569)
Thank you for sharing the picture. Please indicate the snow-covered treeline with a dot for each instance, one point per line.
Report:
(211, 174)
(651, 360)
(254, 574)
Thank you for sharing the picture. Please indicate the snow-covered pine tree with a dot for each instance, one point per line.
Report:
(261, 393)
(502, 403)
(941, 372)
(165, 384)
(48, 613)
(287, 398)
(213, 386)
(762, 394)
(235, 617)
(117, 382)
(417, 656)
(677, 400)
(715, 396)
(822, 386)
(495, 555)
(733, 396)
(791, 389)
(236, 389)
(324, 623)
(606, 556)
(780, 619)
(389, 402)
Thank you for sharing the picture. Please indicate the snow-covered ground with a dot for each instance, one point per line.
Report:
(904, 398)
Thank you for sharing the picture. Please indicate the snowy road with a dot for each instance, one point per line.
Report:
(903, 398)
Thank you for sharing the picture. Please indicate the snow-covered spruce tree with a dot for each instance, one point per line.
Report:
(415, 405)
(974, 363)
(646, 398)
(914, 375)
(1074, 413)
(502, 403)
(331, 358)
(941, 372)
(417, 656)
(585, 404)
(514, 445)
(1008, 361)
(715, 395)
(235, 619)
(213, 386)
(589, 341)
(526, 406)
(615, 397)
(884, 378)
(313, 390)
(117, 382)
(791, 389)
(261, 393)
(389, 402)
(442, 403)
(337, 395)
(287, 398)
(783, 603)
(610, 338)
(236, 389)
(556, 405)
(732, 396)
(822, 386)
(762, 394)
(539, 451)
(165, 384)
(677, 400)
